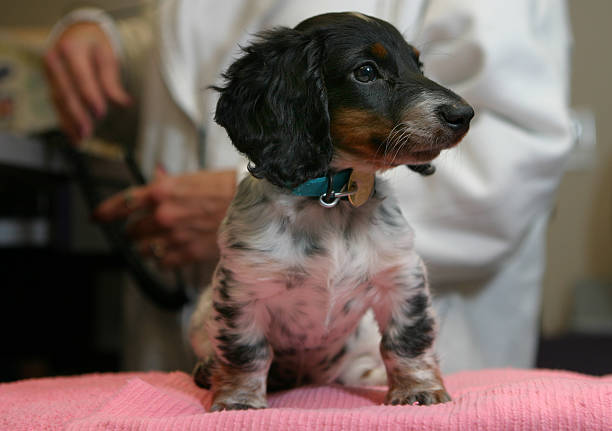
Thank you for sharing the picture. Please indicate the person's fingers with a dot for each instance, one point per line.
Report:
(167, 210)
(67, 124)
(108, 72)
(160, 172)
(190, 197)
(80, 115)
(146, 227)
(84, 76)
(83, 73)
(65, 96)
(122, 204)
(202, 188)
(204, 216)
(160, 222)
(170, 239)
(152, 247)
(170, 254)
(180, 199)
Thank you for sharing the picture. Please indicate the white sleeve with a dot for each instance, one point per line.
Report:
(510, 60)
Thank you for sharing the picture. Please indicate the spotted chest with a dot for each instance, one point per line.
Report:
(303, 276)
(316, 312)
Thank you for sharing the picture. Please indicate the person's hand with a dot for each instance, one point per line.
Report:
(174, 218)
(84, 76)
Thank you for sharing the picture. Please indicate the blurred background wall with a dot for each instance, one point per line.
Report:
(578, 289)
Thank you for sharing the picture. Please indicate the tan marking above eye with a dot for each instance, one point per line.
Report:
(416, 52)
(379, 50)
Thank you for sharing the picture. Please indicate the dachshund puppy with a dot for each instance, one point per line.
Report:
(308, 276)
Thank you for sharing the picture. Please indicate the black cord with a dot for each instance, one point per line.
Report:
(170, 298)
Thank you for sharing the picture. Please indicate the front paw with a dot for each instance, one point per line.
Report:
(424, 398)
(237, 402)
(221, 406)
(202, 373)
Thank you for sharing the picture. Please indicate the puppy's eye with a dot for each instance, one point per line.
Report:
(366, 73)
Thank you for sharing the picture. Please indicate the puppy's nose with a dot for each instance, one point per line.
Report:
(457, 116)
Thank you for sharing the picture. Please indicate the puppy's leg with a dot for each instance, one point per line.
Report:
(239, 388)
(407, 325)
(363, 365)
(202, 372)
(242, 354)
(233, 389)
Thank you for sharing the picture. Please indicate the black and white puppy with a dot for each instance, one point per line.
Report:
(301, 283)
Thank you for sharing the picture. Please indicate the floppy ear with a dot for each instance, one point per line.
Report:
(274, 107)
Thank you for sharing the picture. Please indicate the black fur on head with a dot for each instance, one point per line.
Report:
(274, 107)
(341, 90)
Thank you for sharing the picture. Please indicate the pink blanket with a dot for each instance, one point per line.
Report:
(482, 400)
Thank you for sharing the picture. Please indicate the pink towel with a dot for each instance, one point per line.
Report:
(482, 400)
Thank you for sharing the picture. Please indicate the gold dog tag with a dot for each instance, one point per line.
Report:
(365, 186)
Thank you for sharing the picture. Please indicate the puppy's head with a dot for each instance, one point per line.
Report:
(340, 90)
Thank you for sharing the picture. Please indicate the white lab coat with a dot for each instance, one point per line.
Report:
(480, 221)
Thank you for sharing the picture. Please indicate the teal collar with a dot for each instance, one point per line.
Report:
(318, 186)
